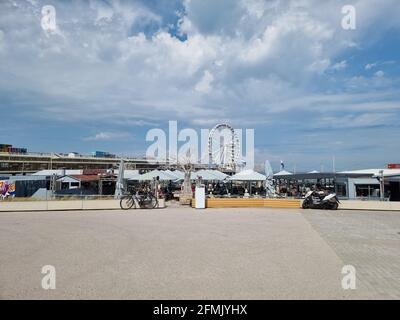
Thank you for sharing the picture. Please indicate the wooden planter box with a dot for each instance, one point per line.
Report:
(250, 203)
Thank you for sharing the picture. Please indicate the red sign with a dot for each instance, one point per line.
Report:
(394, 166)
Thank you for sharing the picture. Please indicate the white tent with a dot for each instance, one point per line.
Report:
(283, 173)
(208, 175)
(131, 174)
(178, 174)
(314, 171)
(219, 174)
(149, 176)
(248, 175)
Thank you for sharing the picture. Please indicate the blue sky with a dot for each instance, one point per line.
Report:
(115, 69)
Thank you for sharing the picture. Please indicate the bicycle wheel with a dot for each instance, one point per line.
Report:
(150, 202)
(126, 202)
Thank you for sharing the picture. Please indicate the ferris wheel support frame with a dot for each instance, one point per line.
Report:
(232, 143)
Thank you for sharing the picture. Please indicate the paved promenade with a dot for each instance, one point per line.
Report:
(182, 253)
(90, 204)
(368, 240)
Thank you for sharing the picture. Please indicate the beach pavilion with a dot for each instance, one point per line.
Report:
(248, 176)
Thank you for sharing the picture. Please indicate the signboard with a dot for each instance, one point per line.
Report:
(7, 189)
(394, 166)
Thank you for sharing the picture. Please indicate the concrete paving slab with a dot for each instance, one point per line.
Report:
(174, 253)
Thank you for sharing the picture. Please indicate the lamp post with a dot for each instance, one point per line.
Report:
(382, 185)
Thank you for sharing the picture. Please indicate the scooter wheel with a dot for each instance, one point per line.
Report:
(334, 206)
(305, 205)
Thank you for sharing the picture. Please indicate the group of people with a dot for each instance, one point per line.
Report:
(220, 189)
(226, 189)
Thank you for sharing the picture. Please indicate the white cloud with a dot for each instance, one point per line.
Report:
(254, 63)
(104, 136)
(2, 42)
(255, 8)
(357, 121)
(204, 85)
(319, 66)
(270, 56)
(369, 66)
(340, 65)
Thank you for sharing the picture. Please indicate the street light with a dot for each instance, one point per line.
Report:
(382, 185)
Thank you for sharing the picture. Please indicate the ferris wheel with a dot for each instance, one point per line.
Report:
(223, 146)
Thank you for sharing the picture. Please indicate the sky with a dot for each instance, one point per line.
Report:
(113, 70)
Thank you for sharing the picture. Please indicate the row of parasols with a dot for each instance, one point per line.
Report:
(206, 174)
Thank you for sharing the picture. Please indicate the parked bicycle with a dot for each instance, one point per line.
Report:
(136, 199)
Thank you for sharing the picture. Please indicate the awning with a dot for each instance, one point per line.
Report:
(365, 181)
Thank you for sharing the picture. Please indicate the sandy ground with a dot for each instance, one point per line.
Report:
(183, 253)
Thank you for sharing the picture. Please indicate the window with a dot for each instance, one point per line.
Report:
(367, 191)
(341, 190)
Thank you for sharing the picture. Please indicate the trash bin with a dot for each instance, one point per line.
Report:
(161, 203)
(200, 197)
